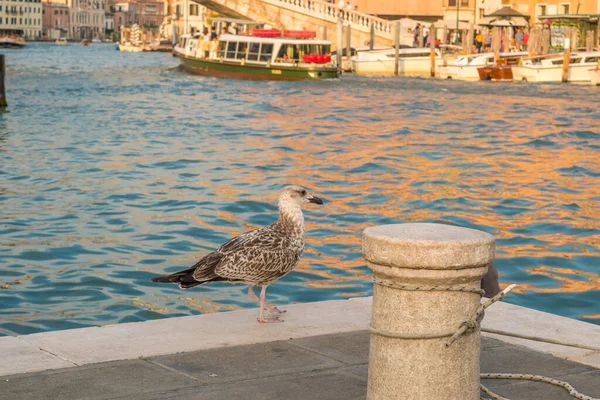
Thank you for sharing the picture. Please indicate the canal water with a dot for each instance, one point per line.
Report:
(116, 167)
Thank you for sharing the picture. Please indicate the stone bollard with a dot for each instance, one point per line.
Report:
(408, 356)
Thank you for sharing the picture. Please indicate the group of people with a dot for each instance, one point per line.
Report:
(518, 42)
(208, 43)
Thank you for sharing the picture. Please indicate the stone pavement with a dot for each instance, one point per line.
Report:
(317, 368)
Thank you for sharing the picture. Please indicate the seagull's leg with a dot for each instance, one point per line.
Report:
(262, 318)
(271, 309)
(252, 295)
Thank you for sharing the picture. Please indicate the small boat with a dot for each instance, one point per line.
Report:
(61, 41)
(85, 42)
(266, 54)
(411, 61)
(595, 76)
(502, 69)
(467, 67)
(128, 47)
(96, 40)
(549, 68)
(11, 38)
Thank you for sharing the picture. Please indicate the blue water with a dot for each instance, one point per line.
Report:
(116, 167)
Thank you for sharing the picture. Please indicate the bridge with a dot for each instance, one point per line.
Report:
(313, 15)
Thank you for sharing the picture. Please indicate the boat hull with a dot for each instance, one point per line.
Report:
(9, 44)
(495, 73)
(595, 76)
(459, 72)
(577, 73)
(417, 66)
(254, 72)
(129, 49)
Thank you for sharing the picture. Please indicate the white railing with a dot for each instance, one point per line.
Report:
(330, 12)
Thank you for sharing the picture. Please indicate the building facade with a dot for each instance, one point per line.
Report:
(395, 9)
(152, 14)
(55, 21)
(86, 19)
(536, 8)
(25, 15)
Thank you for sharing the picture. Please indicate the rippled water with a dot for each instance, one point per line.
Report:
(116, 167)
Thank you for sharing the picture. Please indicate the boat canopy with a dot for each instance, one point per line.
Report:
(254, 39)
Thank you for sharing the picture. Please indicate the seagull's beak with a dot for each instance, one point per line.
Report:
(316, 200)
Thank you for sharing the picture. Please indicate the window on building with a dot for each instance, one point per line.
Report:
(194, 9)
(481, 13)
(20, 21)
(463, 3)
(565, 8)
(0, 7)
(177, 10)
(55, 12)
(541, 10)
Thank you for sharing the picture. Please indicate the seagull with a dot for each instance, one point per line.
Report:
(258, 257)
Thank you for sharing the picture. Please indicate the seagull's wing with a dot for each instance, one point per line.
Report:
(256, 256)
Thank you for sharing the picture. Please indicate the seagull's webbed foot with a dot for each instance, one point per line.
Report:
(268, 320)
(274, 310)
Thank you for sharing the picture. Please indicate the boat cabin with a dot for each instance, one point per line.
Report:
(273, 49)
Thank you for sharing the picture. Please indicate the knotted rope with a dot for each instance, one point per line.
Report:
(469, 325)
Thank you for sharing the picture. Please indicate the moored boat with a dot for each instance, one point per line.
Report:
(502, 69)
(595, 76)
(61, 41)
(85, 42)
(411, 61)
(264, 55)
(550, 68)
(11, 38)
(468, 67)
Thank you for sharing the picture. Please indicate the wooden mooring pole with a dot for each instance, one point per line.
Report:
(567, 55)
(432, 37)
(2, 86)
(396, 47)
(340, 44)
(372, 37)
(348, 40)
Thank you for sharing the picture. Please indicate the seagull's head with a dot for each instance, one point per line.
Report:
(295, 195)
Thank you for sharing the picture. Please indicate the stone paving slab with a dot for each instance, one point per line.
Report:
(331, 367)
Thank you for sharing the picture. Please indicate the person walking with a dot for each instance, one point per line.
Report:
(478, 41)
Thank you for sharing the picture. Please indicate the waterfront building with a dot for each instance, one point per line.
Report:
(151, 14)
(55, 21)
(537, 8)
(415, 9)
(186, 15)
(124, 14)
(26, 15)
(86, 19)
(109, 23)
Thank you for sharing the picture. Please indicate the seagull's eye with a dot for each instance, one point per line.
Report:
(303, 193)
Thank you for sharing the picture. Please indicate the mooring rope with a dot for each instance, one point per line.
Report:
(471, 324)
(535, 378)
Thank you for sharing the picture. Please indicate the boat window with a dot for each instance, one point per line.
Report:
(222, 48)
(557, 62)
(575, 60)
(591, 59)
(231, 48)
(290, 50)
(266, 50)
(241, 52)
(253, 50)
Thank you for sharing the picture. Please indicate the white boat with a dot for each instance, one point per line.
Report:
(61, 41)
(128, 47)
(465, 67)
(96, 40)
(549, 68)
(595, 76)
(411, 62)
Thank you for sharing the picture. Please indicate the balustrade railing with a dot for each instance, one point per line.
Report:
(330, 12)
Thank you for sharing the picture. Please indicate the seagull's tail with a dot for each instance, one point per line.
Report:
(185, 278)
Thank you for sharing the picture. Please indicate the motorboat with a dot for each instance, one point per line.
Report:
(411, 61)
(61, 41)
(466, 67)
(595, 75)
(85, 42)
(550, 68)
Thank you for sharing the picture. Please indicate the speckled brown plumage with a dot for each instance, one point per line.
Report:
(257, 257)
